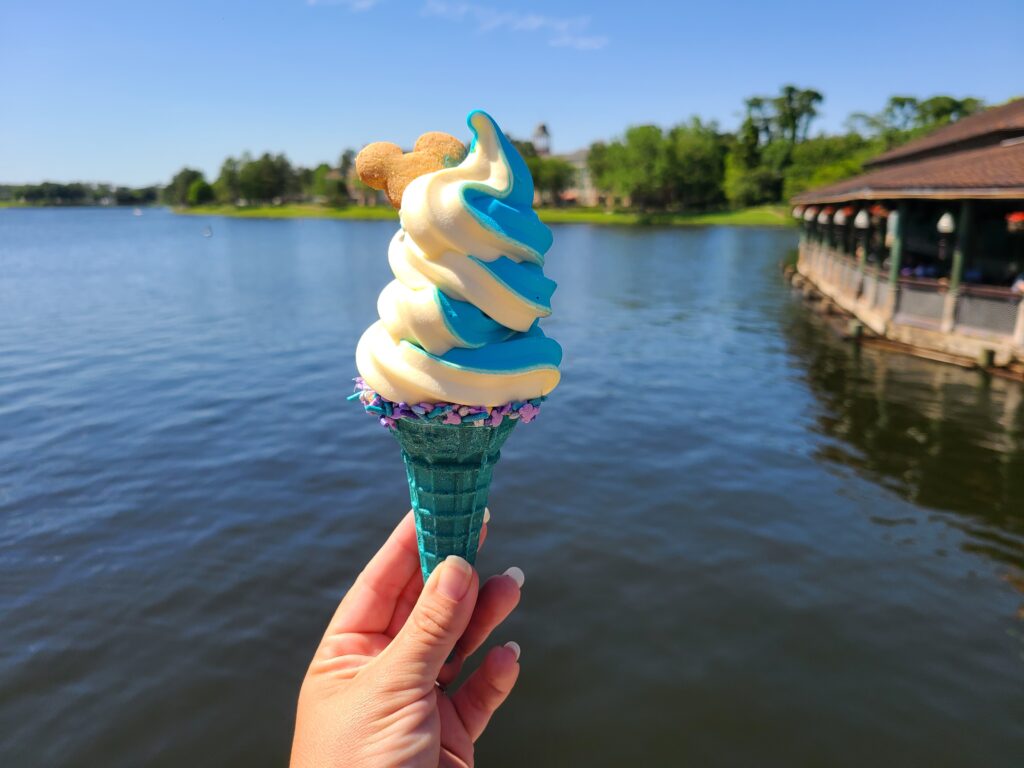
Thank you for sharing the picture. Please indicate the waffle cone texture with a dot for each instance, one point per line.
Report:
(449, 469)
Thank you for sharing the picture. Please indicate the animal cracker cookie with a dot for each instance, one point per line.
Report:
(383, 165)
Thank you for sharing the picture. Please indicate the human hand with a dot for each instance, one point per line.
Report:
(375, 694)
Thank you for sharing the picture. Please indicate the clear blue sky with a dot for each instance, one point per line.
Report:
(128, 92)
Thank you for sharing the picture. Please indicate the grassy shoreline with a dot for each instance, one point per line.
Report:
(761, 216)
(293, 211)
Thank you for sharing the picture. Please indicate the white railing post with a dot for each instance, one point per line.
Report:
(949, 310)
(1018, 334)
(892, 299)
(871, 288)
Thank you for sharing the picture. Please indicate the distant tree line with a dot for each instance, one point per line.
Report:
(263, 180)
(769, 158)
(77, 193)
(690, 166)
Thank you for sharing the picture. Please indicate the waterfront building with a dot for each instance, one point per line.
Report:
(582, 190)
(926, 247)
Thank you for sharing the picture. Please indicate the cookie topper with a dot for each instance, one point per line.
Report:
(382, 165)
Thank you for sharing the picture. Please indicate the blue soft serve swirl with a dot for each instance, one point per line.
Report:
(460, 321)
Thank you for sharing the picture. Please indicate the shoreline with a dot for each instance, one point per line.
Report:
(761, 216)
(775, 216)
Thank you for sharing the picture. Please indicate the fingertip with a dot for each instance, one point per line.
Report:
(516, 574)
(502, 662)
(513, 646)
(502, 667)
(501, 593)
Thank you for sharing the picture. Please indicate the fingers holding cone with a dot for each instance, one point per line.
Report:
(437, 621)
(486, 689)
(497, 599)
(414, 585)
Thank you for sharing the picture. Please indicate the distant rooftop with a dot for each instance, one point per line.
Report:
(989, 172)
(981, 156)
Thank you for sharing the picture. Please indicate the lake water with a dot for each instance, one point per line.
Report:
(765, 547)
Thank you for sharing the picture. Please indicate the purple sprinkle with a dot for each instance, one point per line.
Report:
(388, 412)
(528, 412)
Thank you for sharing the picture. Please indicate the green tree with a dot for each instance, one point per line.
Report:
(940, 110)
(745, 186)
(762, 152)
(645, 167)
(268, 178)
(199, 193)
(176, 193)
(320, 184)
(698, 164)
(524, 148)
(793, 111)
(606, 163)
(327, 185)
(552, 176)
(826, 159)
(345, 163)
(226, 187)
(905, 117)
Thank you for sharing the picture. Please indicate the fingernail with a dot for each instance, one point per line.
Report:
(455, 578)
(487, 514)
(514, 647)
(517, 575)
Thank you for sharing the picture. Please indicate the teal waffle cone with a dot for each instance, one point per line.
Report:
(449, 469)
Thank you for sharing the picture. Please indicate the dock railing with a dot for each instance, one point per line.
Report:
(980, 311)
(921, 302)
(988, 309)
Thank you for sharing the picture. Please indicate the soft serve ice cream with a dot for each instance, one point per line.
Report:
(459, 324)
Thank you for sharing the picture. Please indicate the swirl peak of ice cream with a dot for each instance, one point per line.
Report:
(459, 322)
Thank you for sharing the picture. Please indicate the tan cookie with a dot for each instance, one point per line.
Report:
(383, 165)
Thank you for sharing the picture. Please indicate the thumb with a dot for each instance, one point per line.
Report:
(436, 623)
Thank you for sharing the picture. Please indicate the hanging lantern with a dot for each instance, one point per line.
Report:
(798, 212)
(1015, 221)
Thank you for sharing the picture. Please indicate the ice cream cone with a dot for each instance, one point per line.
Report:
(449, 469)
(457, 357)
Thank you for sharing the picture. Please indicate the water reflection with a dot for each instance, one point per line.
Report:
(946, 438)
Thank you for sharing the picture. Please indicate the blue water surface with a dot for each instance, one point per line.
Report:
(745, 542)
